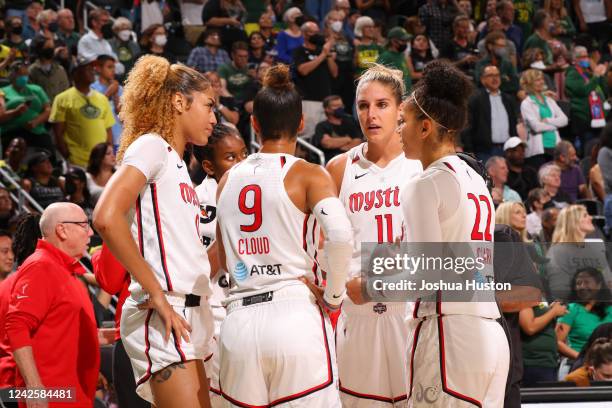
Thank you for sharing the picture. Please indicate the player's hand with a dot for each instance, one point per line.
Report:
(558, 308)
(318, 294)
(353, 290)
(172, 320)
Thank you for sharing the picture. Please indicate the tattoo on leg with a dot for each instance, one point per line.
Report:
(165, 374)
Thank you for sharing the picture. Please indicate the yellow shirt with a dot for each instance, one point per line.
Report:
(86, 118)
(4, 53)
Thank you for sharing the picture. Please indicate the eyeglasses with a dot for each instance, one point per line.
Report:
(82, 224)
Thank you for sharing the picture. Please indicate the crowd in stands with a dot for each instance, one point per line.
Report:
(539, 117)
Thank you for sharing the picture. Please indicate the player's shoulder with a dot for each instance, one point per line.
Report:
(337, 166)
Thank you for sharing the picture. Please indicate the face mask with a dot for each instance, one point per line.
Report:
(124, 35)
(339, 112)
(584, 64)
(53, 27)
(161, 40)
(45, 67)
(402, 47)
(538, 65)
(317, 39)
(501, 52)
(21, 81)
(17, 30)
(336, 26)
(299, 20)
(119, 69)
(47, 53)
(107, 31)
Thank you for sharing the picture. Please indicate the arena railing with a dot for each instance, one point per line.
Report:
(567, 396)
(306, 145)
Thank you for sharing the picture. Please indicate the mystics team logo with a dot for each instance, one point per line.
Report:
(240, 271)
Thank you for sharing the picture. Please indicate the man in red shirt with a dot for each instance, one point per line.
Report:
(50, 323)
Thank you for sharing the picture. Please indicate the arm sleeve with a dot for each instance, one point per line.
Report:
(532, 118)
(41, 95)
(58, 111)
(281, 48)
(148, 154)
(110, 274)
(109, 119)
(31, 299)
(320, 130)
(210, 10)
(570, 316)
(559, 119)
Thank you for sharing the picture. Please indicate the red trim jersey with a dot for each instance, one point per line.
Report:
(7, 362)
(166, 219)
(268, 241)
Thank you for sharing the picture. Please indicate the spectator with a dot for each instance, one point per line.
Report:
(95, 42)
(36, 330)
(235, 75)
(438, 16)
(542, 35)
(549, 176)
(604, 160)
(66, 33)
(123, 44)
(339, 132)
(316, 68)
(505, 11)
(290, 39)
(521, 177)
(100, 169)
(498, 171)
(539, 342)
(534, 58)
(492, 117)
(81, 117)
(572, 180)
(154, 40)
(394, 56)
(257, 50)
(226, 107)
(15, 154)
(40, 183)
(461, 49)
(7, 209)
(497, 54)
(562, 26)
(47, 21)
(14, 38)
(46, 72)
(344, 6)
(549, 222)
(588, 308)
(209, 56)
(30, 23)
(266, 26)
(593, 18)
(536, 200)
(524, 15)
(7, 258)
(514, 215)
(414, 27)
(585, 87)
(367, 50)
(603, 330)
(191, 19)
(570, 252)
(228, 16)
(77, 192)
(107, 85)
(489, 11)
(30, 124)
(344, 85)
(543, 118)
(420, 55)
(597, 364)
(494, 23)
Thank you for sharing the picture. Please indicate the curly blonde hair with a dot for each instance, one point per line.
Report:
(147, 96)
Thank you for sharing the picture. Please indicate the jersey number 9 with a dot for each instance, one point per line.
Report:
(254, 209)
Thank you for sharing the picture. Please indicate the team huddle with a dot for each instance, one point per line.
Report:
(234, 282)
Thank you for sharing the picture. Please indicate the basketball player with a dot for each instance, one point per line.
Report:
(458, 353)
(371, 337)
(224, 149)
(148, 215)
(276, 342)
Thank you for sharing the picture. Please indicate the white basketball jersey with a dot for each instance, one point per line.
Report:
(268, 241)
(371, 196)
(207, 194)
(473, 221)
(166, 221)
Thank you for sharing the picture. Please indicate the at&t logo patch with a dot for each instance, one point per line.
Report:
(240, 271)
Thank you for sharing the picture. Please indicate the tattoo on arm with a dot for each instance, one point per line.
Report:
(165, 374)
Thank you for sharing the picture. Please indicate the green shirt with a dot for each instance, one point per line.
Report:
(535, 41)
(578, 90)
(540, 350)
(238, 80)
(582, 323)
(509, 77)
(523, 14)
(397, 60)
(37, 98)
(366, 56)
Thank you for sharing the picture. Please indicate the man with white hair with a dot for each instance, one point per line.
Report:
(50, 310)
(498, 170)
